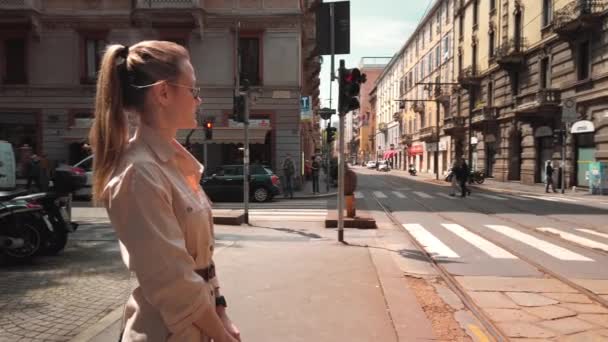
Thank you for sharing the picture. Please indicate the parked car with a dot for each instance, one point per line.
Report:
(225, 183)
(83, 168)
(383, 166)
(371, 164)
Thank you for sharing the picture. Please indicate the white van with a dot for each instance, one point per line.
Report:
(7, 166)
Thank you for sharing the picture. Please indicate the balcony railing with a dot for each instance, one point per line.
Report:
(468, 77)
(484, 115)
(428, 133)
(442, 93)
(20, 4)
(397, 116)
(453, 125)
(160, 4)
(406, 139)
(418, 107)
(543, 100)
(578, 16)
(510, 54)
(383, 127)
(459, 6)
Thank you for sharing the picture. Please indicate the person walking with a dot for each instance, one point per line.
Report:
(150, 188)
(549, 175)
(453, 178)
(463, 177)
(315, 175)
(289, 170)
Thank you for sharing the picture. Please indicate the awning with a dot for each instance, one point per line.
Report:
(583, 126)
(225, 135)
(389, 154)
(416, 150)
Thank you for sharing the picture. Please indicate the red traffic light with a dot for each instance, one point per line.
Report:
(209, 125)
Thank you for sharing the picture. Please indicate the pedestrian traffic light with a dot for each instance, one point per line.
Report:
(208, 130)
(331, 134)
(238, 114)
(349, 86)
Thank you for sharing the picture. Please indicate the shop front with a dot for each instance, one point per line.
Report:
(416, 155)
(584, 150)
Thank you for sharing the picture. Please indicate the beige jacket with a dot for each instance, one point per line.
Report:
(164, 224)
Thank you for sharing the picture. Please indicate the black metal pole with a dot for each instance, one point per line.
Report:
(470, 138)
(437, 142)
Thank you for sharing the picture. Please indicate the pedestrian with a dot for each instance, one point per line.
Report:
(463, 177)
(315, 175)
(289, 170)
(549, 175)
(150, 188)
(453, 178)
(34, 172)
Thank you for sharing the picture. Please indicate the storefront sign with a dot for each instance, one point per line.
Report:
(583, 126)
(443, 145)
(253, 123)
(416, 150)
(305, 109)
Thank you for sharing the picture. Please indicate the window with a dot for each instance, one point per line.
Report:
(475, 14)
(474, 63)
(460, 62)
(430, 30)
(491, 43)
(492, 6)
(446, 46)
(490, 94)
(583, 61)
(515, 83)
(93, 52)
(422, 69)
(547, 12)
(15, 61)
(461, 27)
(518, 29)
(250, 60)
(438, 55)
(447, 12)
(423, 35)
(430, 62)
(545, 80)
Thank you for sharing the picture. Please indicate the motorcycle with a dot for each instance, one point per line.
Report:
(412, 170)
(21, 233)
(476, 177)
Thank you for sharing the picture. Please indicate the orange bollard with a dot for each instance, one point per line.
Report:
(351, 210)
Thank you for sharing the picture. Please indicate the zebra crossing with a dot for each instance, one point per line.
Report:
(292, 210)
(436, 240)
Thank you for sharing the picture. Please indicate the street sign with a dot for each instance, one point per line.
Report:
(569, 111)
(305, 110)
(326, 113)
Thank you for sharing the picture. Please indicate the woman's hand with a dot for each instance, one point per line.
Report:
(228, 325)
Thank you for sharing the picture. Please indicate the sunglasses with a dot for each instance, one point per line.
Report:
(195, 91)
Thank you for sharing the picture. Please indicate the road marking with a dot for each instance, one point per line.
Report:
(484, 245)
(422, 194)
(481, 337)
(542, 198)
(358, 194)
(492, 197)
(543, 246)
(399, 194)
(406, 189)
(445, 195)
(379, 194)
(575, 238)
(519, 198)
(562, 199)
(593, 232)
(431, 244)
(288, 215)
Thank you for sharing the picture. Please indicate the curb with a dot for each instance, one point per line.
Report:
(327, 195)
(99, 327)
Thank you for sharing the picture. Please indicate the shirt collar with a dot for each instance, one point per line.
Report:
(163, 149)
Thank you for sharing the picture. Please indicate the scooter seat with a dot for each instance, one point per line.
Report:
(7, 195)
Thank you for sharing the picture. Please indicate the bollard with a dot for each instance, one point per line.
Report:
(351, 208)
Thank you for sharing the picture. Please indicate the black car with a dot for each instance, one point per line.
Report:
(225, 183)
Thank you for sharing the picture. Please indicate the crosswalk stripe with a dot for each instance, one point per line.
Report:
(542, 198)
(431, 244)
(575, 238)
(543, 246)
(492, 197)
(358, 194)
(593, 232)
(399, 194)
(422, 194)
(287, 213)
(379, 194)
(519, 198)
(484, 245)
(445, 195)
(562, 199)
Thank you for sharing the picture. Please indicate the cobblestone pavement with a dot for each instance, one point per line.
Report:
(55, 298)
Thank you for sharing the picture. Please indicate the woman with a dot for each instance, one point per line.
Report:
(150, 188)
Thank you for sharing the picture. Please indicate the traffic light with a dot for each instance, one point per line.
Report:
(331, 134)
(557, 137)
(238, 114)
(349, 86)
(208, 130)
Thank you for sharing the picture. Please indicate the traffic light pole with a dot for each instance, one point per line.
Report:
(237, 92)
(341, 166)
(332, 42)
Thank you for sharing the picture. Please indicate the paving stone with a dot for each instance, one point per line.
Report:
(509, 284)
(570, 297)
(525, 330)
(509, 315)
(550, 312)
(598, 286)
(597, 319)
(495, 300)
(585, 308)
(603, 332)
(587, 336)
(530, 299)
(567, 326)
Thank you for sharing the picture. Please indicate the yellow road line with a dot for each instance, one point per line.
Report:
(481, 337)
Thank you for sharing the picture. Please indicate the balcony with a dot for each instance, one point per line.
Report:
(185, 13)
(397, 116)
(406, 139)
(453, 125)
(442, 94)
(21, 13)
(484, 115)
(469, 77)
(459, 7)
(577, 17)
(418, 107)
(510, 55)
(543, 101)
(428, 133)
(383, 127)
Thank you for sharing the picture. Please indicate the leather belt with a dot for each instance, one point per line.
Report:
(207, 273)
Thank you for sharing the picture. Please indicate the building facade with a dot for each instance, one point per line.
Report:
(50, 52)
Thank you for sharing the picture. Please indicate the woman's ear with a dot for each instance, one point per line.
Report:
(161, 93)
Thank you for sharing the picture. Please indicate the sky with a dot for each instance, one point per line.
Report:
(378, 28)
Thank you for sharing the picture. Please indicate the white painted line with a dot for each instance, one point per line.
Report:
(575, 238)
(492, 197)
(431, 244)
(445, 195)
(379, 194)
(422, 194)
(562, 199)
(287, 218)
(519, 198)
(543, 246)
(358, 194)
(288, 213)
(484, 245)
(542, 198)
(399, 194)
(593, 232)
